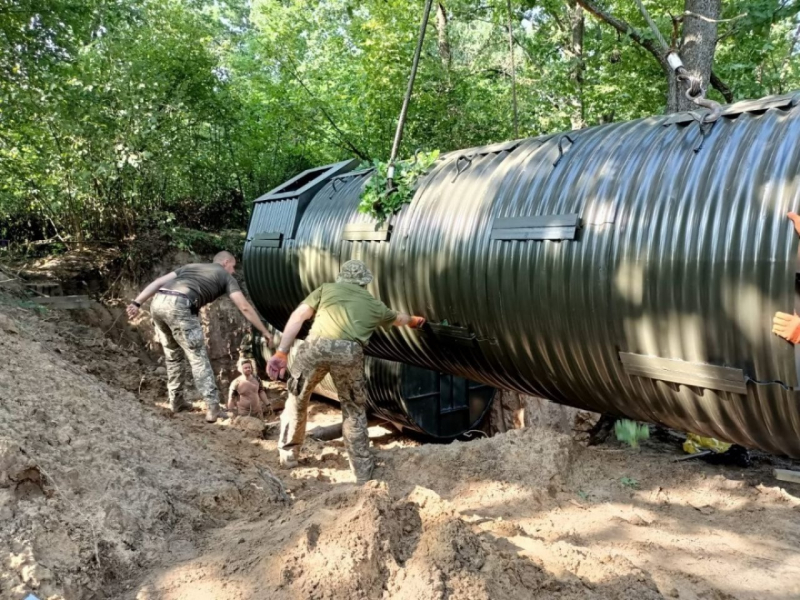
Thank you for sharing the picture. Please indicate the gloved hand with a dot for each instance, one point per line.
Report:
(787, 326)
(795, 218)
(276, 367)
(416, 322)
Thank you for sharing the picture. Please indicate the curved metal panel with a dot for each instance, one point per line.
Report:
(434, 404)
(437, 405)
(682, 252)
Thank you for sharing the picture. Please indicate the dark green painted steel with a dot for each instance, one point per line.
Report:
(434, 404)
(683, 252)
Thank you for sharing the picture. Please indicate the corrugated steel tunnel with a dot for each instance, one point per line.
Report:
(631, 268)
(435, 404)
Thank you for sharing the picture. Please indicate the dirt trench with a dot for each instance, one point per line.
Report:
(104, 494)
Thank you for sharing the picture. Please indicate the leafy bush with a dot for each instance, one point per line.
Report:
(375, 200)
(203, 242)
(631, 432)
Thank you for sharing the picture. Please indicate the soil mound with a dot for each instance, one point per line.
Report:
(91, 481)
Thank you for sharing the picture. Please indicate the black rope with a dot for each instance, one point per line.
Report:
(749, 379)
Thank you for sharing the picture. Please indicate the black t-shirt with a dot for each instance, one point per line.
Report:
(203, 282)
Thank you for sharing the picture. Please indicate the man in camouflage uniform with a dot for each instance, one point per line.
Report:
(179, 295)
(345, 316)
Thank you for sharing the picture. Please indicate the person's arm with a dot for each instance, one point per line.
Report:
(300, 315)
(258, 410)
(232, 393)
(402, 320)
(147, 293)
(249, 313)
(276, 366)
(263, 400)
(412, 321)
(787, 325)
(795, 219)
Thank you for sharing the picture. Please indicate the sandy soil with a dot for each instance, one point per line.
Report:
(104, 494)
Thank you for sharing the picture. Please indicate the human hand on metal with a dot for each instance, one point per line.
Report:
(795, 218)
(416, 322)
(787, 326)
(276, 367)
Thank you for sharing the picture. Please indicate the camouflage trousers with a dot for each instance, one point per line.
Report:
(181, 335)
(345, 362)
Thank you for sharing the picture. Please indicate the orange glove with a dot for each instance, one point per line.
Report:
(416, 322)
(795, 218)
(276, 367)
(787, 326)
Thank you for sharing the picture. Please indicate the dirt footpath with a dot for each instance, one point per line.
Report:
(104, 494)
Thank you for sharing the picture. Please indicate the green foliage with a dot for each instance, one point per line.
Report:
(631, 432)
(30, 305)
(380, 204)
(203, 242)
(112, 112)
(629, 483)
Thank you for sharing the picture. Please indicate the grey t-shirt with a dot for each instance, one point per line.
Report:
(203, 282)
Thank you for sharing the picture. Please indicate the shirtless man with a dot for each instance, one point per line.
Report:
(246, 393)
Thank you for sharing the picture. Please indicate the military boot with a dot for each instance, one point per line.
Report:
(180, 406)
(288, 459)
(215, 412)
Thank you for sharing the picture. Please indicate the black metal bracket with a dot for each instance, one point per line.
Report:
(561, 147)
(267, 239)
(451, 333)
(705, 131)
(468, 159)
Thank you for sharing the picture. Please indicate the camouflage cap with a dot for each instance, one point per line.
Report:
(354, 271)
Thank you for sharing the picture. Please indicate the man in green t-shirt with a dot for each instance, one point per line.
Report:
(345, 315)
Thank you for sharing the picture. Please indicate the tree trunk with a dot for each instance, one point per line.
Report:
(697, 49)
(444, 42)
(576, 46)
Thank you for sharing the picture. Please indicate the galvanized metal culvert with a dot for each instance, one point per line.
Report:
(631, 268)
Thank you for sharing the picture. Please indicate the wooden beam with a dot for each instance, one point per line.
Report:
(64, 302)
(787, 475)
(326, 433)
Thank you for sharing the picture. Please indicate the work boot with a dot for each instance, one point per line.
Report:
(180, 406)
(288, 459)
(215, 412)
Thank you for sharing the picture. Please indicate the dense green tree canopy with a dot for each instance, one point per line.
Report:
(122, 114)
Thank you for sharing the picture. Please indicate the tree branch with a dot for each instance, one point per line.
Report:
(789, 54)
(721, 87)
(340, 134)
(786, 9)
(625, 28)
(648, 44)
